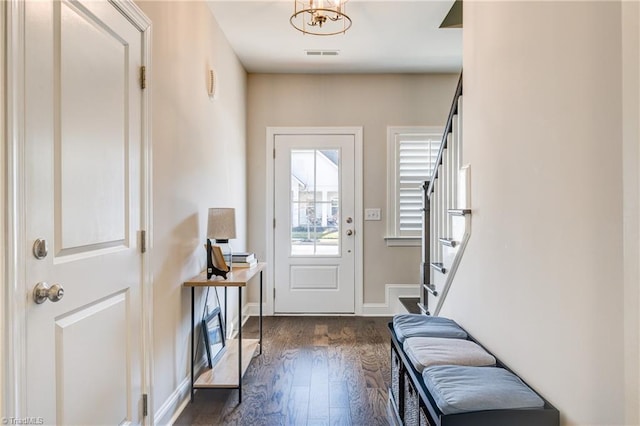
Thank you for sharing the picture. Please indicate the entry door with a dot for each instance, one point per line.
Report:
(314, 233)
(83, 197)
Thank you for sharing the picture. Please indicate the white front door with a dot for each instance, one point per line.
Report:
(83, 187)
(315, 226)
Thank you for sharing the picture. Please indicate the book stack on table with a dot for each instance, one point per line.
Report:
(243, 260)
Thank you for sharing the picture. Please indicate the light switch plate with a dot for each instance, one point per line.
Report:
(371, 214)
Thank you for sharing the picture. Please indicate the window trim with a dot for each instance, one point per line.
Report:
(393, 239)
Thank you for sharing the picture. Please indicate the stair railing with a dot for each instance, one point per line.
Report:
(446, 227)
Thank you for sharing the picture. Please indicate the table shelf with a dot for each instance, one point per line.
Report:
(223, 373)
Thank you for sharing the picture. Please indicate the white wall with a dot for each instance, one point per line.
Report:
(199, 161)
(371, 101)
(546, 275)
(4, 143)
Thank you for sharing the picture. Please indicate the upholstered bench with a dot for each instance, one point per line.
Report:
(417, 325)
(425, 352)
(461, 389)
(426, 391)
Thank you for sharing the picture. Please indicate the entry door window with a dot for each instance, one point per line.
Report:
(315, 202)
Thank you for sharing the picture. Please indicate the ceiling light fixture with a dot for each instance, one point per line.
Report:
(320, 17)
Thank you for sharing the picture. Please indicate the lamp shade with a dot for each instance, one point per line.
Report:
(221, 224)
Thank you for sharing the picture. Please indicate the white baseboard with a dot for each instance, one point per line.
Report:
(391, 305)
(168, 413)
(253, 310)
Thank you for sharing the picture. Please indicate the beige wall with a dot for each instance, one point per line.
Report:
(198, 162)
(631, 207)
(371, 101)
(549, 281)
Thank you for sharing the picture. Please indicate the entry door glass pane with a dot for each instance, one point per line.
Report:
(315, 202)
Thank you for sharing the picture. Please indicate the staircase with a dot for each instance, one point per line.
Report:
(446, 220)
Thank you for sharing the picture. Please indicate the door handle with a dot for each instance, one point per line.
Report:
(350, 232)
(42, 292)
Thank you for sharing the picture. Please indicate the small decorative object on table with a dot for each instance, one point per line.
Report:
(215, 262)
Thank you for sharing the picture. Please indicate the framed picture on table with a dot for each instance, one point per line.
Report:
(213, 336)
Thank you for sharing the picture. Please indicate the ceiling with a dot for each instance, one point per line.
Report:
(386, 37)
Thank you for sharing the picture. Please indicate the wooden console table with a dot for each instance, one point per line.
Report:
(221, 376)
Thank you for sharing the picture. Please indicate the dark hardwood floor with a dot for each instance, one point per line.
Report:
(312, 371)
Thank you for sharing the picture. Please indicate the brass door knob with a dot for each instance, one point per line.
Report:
(42, 292)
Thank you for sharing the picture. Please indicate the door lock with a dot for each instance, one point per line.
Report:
(42, 292)
(40, 249)
(350, 232)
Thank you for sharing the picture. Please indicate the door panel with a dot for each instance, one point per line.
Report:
(100, 327)
(93, 135)
(83, 196)
(314, 277)
(314, 207)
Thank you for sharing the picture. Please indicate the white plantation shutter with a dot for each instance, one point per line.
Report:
(415, 156)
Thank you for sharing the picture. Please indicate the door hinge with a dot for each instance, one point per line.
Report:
(145, 405)
(274, 222)
(143, 77)
(274, 153)
(143, 241)
(274, 293)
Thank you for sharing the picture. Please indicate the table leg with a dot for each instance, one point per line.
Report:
(226, 318)
(193, 332)
(260, 317)
(239, 345)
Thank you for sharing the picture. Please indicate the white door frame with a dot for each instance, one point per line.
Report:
(357, 133)
(15, 291)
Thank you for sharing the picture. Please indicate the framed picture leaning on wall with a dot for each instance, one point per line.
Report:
(213, 336)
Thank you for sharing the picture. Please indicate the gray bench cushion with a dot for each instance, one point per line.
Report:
(457, 389)
(416, 325)
(427, 351)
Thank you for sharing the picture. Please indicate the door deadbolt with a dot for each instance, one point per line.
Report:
(42, 292)
(40, 249)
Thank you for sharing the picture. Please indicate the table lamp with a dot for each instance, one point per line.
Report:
(221, 227)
